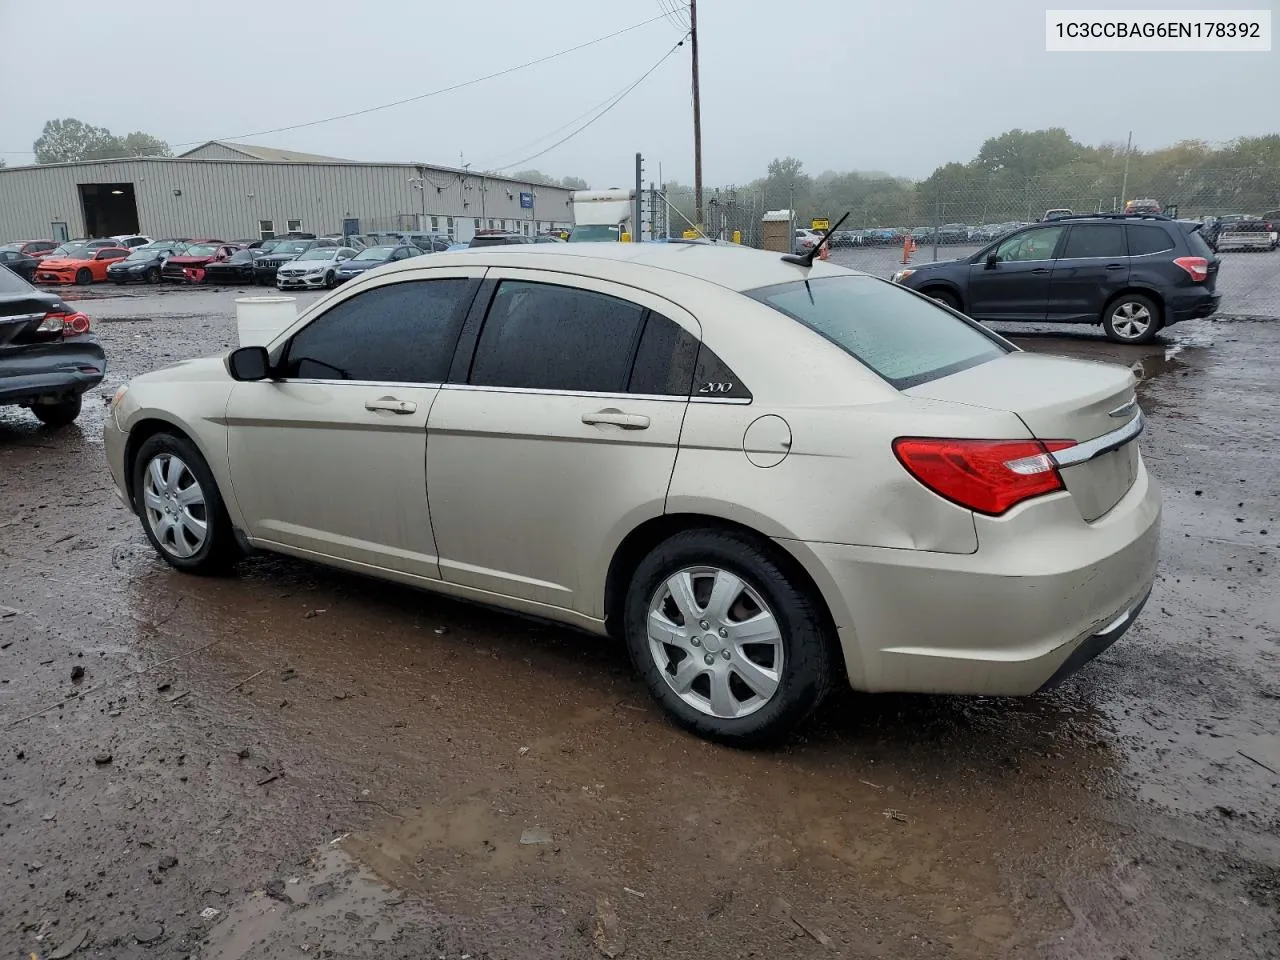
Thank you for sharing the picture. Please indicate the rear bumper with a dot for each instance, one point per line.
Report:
(1044, 594)
(50, 370)
(1193, 305)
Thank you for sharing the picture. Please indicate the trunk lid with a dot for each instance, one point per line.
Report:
(1060, 399)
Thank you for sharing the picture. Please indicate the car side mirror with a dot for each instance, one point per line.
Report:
(249, 363)
(992, 260)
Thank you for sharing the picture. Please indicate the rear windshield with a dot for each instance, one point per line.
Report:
(10, 282)
(905, 338)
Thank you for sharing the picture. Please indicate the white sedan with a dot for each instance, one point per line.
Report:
(759, 475)
(317, 267)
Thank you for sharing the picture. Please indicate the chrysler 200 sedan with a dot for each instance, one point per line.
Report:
(761, 476)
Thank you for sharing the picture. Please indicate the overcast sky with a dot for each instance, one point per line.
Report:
(841, 84)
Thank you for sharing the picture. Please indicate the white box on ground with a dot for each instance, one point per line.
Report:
(259, 319)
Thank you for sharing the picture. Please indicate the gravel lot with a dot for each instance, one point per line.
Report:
(299, 762)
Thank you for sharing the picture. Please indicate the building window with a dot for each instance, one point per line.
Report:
(449, 226)
(266, 229)
(526, 228)
(294, 226)
(477, 223)
(491, 223)
(435, 224)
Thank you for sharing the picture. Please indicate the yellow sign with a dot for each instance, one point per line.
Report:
(820, 223)
(691, 235)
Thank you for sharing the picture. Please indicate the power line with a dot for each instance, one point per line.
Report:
(615, 102)
(488, 165)
(414, 99)
(433, 93)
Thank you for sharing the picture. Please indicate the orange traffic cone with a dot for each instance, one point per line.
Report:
(823, 251)
(908, 248)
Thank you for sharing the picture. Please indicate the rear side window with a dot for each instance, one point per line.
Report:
(541, 336)
(1145, 238)
(1198, 247)
(1095, 240)
(399, 333)
(905, 338)
(664, 360)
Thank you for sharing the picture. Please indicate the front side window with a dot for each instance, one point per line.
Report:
(547, 337)
(399, 333)
(1094, 240)
(1032, 245)
(904, 337)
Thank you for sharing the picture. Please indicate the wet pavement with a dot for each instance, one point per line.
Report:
(294, 761)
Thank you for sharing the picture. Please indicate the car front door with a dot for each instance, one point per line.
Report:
(562, 437)
(1092, 266)
(329, 458)
(1016, 285)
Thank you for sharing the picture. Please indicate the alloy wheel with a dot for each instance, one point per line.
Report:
(715, 642)
(175, 506)
(1131, 320)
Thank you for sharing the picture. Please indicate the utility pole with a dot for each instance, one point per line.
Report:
(637, 225)
(1124, 184)
(697, 117)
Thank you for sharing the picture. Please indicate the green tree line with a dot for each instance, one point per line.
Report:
(1017, 175)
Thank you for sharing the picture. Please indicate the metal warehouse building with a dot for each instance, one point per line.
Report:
(237, 191)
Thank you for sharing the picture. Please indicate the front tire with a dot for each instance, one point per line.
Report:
(182, 512)
(727, 641)
(329, 282)
(153, 275)
(1131, 318)
(944, 297)
(57, 415)
(84, 277)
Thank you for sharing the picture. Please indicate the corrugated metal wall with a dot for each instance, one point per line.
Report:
(228, 198)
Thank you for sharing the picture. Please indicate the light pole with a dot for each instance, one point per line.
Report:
(420, 184)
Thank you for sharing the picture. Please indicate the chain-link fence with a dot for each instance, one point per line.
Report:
(948, 218)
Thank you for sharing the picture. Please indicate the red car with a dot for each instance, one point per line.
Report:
(189, 267)
(33, 248)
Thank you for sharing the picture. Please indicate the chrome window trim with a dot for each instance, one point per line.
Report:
(535, 391)
(1090, 449)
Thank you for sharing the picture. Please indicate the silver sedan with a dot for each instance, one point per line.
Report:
(759, 476)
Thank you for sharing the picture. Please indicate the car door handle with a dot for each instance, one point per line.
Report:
(391, 405)
(1040, 270)
(1115, 266)
(627, 421)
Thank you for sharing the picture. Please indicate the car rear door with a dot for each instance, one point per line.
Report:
(1016, 286)
(1092, 267)
(329, 458)
(559, 436)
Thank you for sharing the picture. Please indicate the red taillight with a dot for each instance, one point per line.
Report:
(68, 324)
(987, 476)
(1197, 267)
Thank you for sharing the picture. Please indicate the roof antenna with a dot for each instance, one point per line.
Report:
(806, 259)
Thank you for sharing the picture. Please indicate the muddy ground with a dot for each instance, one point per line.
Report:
(298, 762)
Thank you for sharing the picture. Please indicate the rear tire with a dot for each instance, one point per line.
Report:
(182, 513)
(84, 277)
(742, 693)
(57, 415)
(1131, 318)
